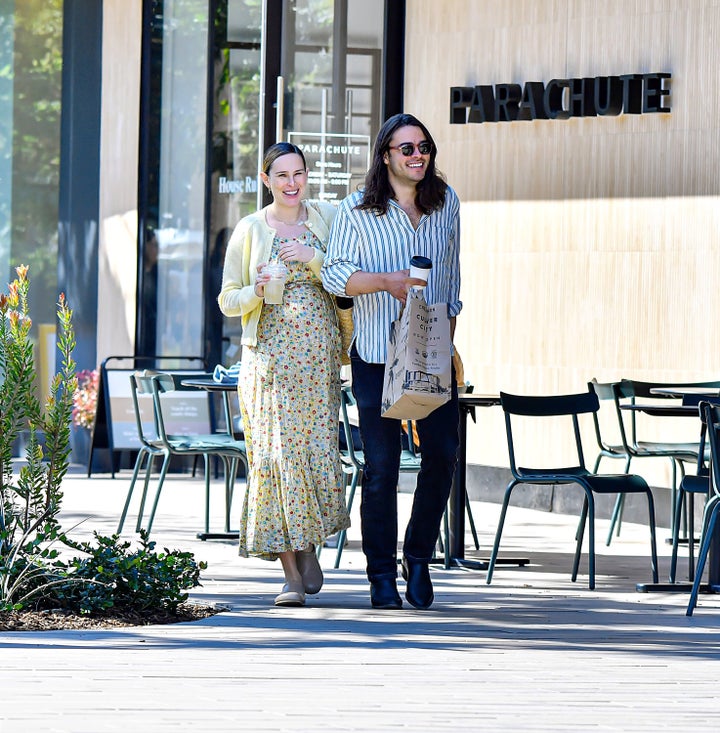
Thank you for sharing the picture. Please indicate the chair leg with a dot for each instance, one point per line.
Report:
(673, 494)
(343, 533)
(690, 514)
(471, 522)
(498, 533)
(587, 515)
(653, 535)
(229, 468)
(676, 535)
(143, 496)
(591, 539)
(711, 511)
(579, 535)
(208, 466)
(231, 489)
(161, 481)
(616, 519)
(142, 454)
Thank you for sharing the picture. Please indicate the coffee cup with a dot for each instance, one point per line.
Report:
(420, 268)
(276, 285)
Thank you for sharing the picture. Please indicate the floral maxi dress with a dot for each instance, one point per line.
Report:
(289, 388)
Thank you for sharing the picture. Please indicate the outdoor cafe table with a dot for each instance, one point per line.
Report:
(225, 388)
(455, 550)
(688, 408)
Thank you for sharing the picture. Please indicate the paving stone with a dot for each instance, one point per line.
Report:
(531, 652)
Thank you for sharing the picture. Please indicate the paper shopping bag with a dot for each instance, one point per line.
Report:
(418, 370)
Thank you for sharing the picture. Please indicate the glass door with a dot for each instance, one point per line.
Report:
(306, 71)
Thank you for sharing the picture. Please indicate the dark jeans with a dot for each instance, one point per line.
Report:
(381, 438)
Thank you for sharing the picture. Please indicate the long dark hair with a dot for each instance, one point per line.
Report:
(278, 150)
(429, 193)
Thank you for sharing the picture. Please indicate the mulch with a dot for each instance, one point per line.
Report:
(58, 620)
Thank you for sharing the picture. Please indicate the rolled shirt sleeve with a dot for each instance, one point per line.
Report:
(342, 256)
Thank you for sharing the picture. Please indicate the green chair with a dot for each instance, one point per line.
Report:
(606, 448)
(150, 448)
(160, 440)
(628, 391)
(711, 416)
(539, 410)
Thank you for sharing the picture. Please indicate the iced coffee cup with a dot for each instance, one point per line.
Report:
(420, 268)
(276, 284)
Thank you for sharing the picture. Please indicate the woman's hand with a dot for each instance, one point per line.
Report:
(261, 279)
(293, 250)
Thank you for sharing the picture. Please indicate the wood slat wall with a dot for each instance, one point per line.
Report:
(590, 246)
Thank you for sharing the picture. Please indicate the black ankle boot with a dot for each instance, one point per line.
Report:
(384, 593)
(419, 591)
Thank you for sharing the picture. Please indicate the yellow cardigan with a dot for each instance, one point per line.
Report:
(249, 246)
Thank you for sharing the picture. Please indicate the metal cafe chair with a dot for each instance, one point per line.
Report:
(570, 407)
(711, 413)
(150, 448)
(628, 391)
(691, 485)
(161, 442)
(606, 449)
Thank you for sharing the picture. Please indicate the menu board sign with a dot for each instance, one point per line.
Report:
(337, 163)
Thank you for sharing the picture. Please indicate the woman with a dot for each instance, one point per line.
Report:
(289, 383)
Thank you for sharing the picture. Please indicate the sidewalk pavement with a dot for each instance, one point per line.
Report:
(531, 652)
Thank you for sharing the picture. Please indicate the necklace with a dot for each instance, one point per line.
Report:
(301, 220)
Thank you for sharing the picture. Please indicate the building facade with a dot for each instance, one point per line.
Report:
(590, 243)
(582, 139)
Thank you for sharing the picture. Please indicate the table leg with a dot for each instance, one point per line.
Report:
(712, 586)
(713, 561)
(456, 529)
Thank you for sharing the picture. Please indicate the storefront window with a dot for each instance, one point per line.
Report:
(30, 100)
(327, 56)
(179, 236)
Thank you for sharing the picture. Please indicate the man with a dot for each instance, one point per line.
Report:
(404, 209)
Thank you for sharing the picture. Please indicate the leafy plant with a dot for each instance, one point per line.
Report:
(34, 571)
(30, 500)
(113, 575)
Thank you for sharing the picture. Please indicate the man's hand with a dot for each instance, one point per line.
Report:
(399, 284)
(396, 283)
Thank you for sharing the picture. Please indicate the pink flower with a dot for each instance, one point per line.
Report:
(85, 398)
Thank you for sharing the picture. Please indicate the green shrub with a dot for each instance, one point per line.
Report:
(111, 575)
(108, 574)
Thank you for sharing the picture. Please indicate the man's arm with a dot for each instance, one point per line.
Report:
(396, 283)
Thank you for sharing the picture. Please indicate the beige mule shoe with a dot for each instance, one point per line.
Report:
(293, 594)
(310, 570)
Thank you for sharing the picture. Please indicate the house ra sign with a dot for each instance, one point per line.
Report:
(561, 99)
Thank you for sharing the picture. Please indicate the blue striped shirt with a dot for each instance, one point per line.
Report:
(361, 240)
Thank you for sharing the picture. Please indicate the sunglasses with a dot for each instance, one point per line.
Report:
(407, 149)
